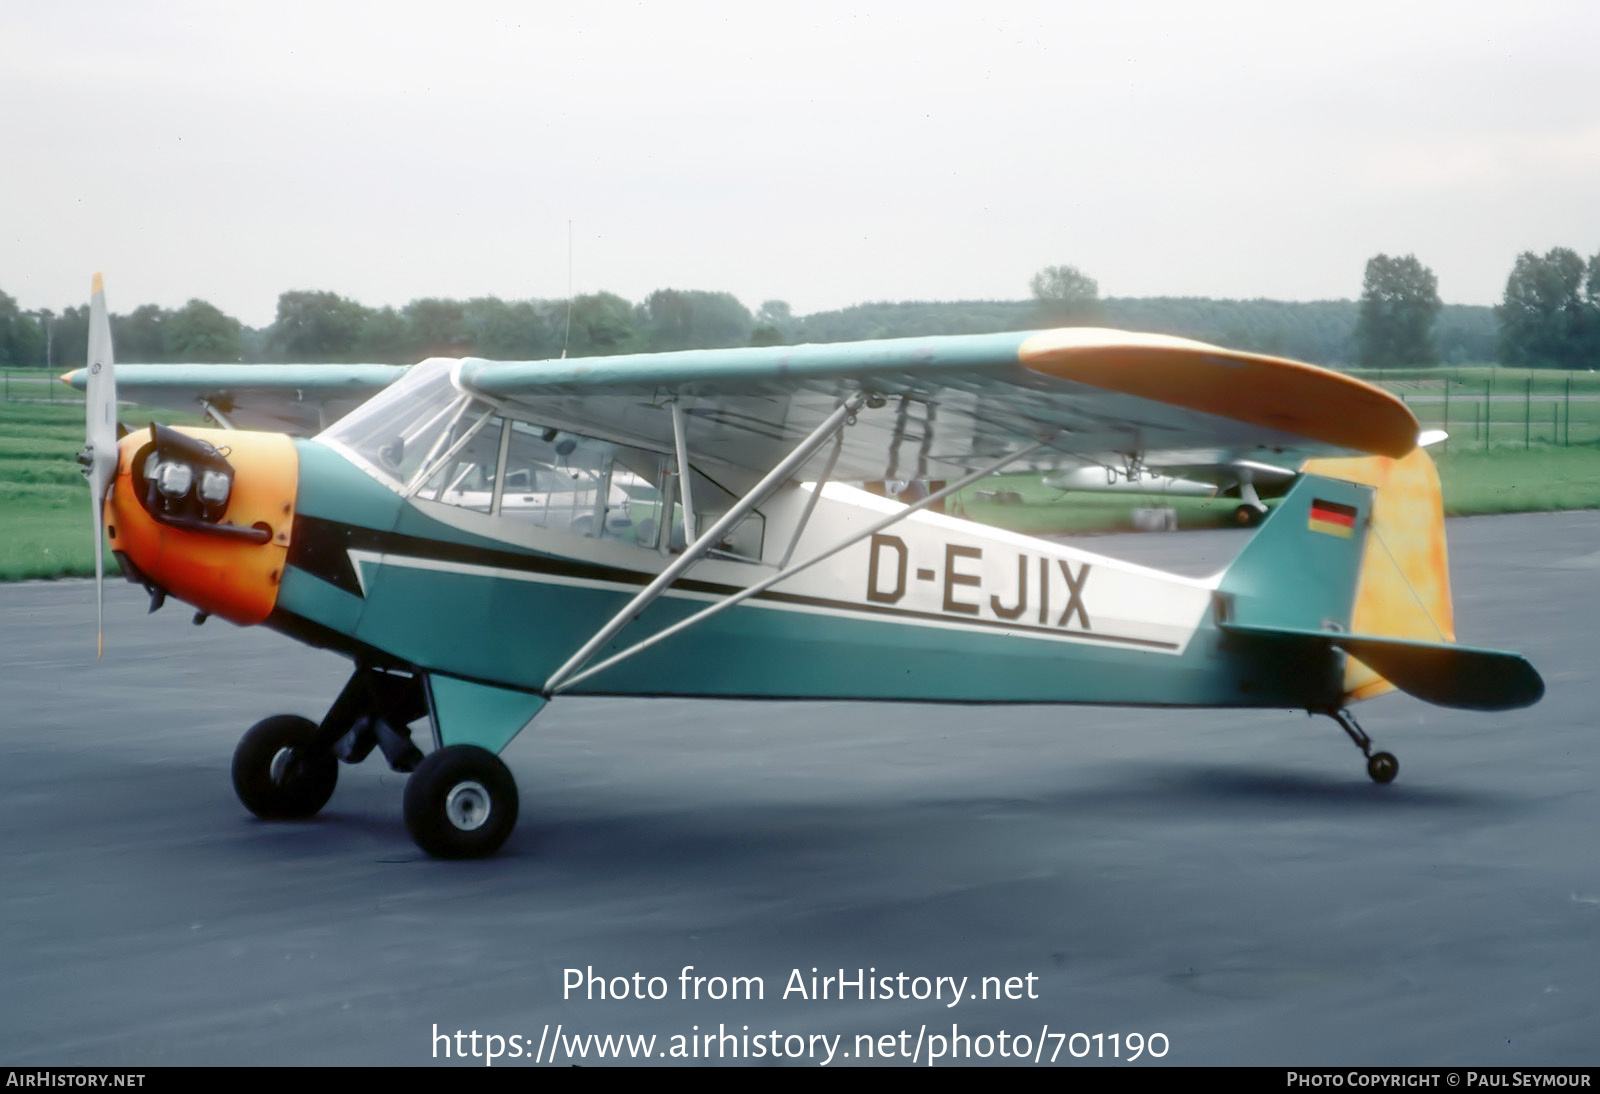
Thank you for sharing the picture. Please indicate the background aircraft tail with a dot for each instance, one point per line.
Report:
(1354, 558)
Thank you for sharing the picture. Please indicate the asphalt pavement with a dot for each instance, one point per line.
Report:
(1230, 880)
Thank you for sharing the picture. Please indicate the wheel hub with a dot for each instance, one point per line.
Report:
(467, 806)
(282, 766)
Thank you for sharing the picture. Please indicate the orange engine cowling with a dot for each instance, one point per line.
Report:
(219, 574)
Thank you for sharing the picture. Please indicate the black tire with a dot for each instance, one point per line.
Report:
(1383, 767)
(1248, 516)
(461, 802)
(276, 772)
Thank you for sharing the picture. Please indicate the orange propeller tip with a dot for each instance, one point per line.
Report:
(99, 286)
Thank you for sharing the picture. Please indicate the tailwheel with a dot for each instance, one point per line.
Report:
(1383, 767)
(279, 771)
(461, 802)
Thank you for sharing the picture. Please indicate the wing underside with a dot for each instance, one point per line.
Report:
(938, 407)
(299, 399)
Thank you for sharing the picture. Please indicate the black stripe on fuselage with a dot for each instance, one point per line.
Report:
(322, 547)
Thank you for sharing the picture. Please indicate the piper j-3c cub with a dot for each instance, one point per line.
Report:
(480, 537)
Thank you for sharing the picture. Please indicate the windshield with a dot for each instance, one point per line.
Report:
(427, 439)
(394, 432)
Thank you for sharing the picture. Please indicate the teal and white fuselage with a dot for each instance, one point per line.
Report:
(934, 608)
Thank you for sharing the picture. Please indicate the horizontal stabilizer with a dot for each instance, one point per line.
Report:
(1441, 673)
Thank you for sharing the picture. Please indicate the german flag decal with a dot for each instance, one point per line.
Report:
(1333, 519)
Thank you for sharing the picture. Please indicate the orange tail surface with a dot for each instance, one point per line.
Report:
(1404, 589)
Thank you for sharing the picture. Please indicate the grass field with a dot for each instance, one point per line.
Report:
(44, 504)
(1513, 480)
(44, 501)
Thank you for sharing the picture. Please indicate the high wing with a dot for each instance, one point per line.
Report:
(939, 406)
(297, 399)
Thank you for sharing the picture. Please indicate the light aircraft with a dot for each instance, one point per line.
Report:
(480, 537)
(1252, 477)
(1250, 480)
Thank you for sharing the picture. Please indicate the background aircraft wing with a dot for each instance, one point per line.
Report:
(944, 405)
(1206, 473)
(298, 399)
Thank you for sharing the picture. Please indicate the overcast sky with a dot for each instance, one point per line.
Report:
(821, 153)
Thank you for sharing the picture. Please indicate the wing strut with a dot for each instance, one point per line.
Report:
(682, 446)
(811, 502)
(758, 494)
(216, 415)
(563, 682)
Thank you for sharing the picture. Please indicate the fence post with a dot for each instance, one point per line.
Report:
(1568, 441)
(1488, 414)
(1527, 416)
(1446, 426)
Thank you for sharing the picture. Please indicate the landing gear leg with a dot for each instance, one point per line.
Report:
(461, 801)
(1382, 766)
(375, 709)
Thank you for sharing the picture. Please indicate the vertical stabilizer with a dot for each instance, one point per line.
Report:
(1300, 571)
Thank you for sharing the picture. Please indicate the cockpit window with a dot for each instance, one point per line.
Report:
(582, 485)
(464, 476)
(434, 443)
(396, 430)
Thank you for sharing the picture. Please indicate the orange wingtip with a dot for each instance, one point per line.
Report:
(1273, 392)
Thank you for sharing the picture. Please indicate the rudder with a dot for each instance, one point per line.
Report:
(1404, 587)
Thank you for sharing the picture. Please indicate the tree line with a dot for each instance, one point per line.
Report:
(1550, 317)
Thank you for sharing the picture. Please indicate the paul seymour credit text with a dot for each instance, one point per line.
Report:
(924, 1043)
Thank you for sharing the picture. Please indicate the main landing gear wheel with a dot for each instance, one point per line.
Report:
(1383, 767)
(461, 802)
(278, 772)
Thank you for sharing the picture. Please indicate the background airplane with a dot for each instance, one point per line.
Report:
(1254, 477)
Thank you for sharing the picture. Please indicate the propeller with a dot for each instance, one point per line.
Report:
(99, 455)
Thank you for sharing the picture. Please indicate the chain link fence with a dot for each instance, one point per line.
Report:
(1484, 408)
(36, 385)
